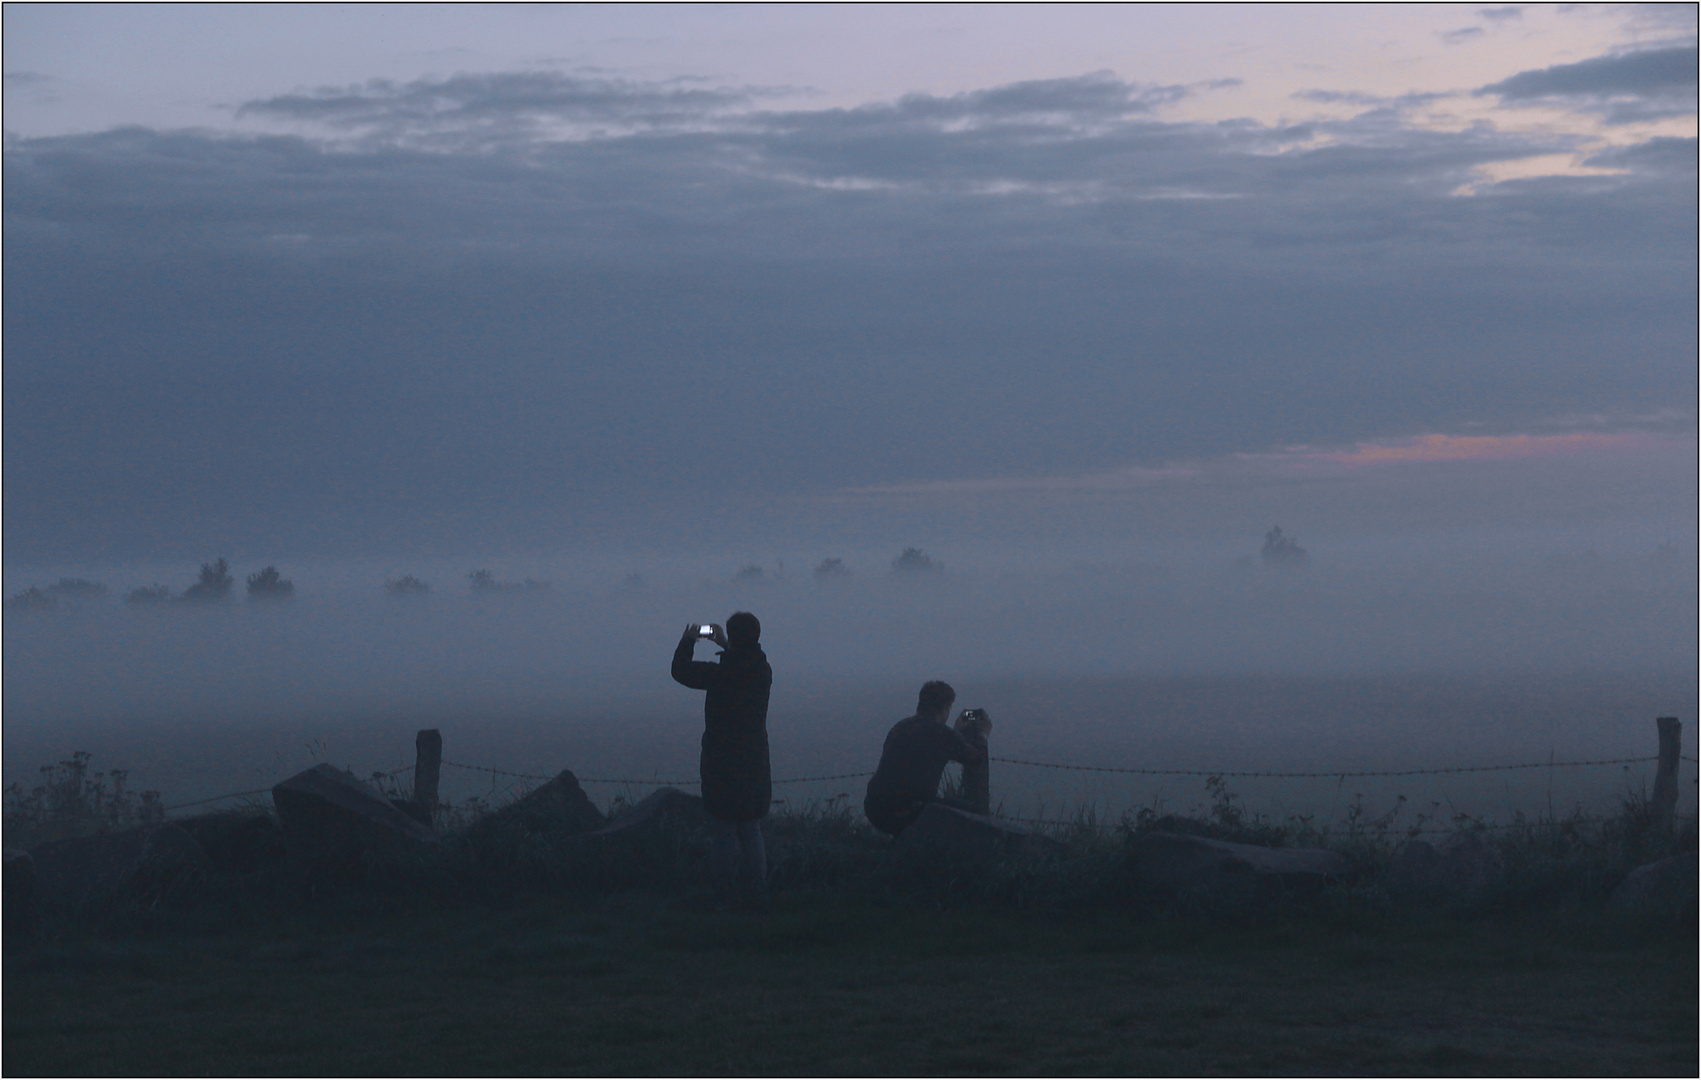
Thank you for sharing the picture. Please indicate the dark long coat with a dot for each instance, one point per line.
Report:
(737, 785)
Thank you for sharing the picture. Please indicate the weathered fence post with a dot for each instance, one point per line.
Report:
(976, 792)
(428, 762)
(1665, 774)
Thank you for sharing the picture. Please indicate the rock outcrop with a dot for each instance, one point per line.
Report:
(331, 819)
(1228, 876)
(942, 828)
(558, 808)
(1668, 886)
(664, 807)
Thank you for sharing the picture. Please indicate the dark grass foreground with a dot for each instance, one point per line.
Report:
(633, 984)
(523, 951)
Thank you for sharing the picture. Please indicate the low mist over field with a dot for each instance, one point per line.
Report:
(1237, 664)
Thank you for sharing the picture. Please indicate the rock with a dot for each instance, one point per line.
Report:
(237, 842)
(948, 829)
(1226, 875)
(89, 870)
(1667, 886)
(330, 817)
(666, 806)
(559, 807)
(20, 896)
(418, 811)
(1461, 867)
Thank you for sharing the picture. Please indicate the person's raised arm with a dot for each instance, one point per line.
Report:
(967, 747)
(696, 674)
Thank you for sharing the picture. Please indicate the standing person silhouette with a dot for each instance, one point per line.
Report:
(737, 786)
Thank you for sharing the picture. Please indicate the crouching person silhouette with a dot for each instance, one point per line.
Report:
(914, 757)
(737, 787)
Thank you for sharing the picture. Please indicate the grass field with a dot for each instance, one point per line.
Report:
(636, 984)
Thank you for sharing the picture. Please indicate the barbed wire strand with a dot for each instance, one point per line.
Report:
(494, 772)
(1339, 774)
(1111, 826)
(634, 781)
(215, 798)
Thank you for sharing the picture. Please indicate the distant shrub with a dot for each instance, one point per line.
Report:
(749, 574)
(832, 568)
(214, 584)
(32, 599)
(483, 581)
(406, 585)
(1281, 550)
(148, 594)
(914, 561)
(72, 801)
(77, 589)
(268, 584)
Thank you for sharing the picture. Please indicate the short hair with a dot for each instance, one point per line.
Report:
(743, 628)
(935, 696)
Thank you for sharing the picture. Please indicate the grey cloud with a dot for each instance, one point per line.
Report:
(1347, 97)
(35, 86)
(1501, 14)
(1624, 88)
(1099, 94)
(1461, 35)
(1662, 156)
(499, 106)
(274, 337)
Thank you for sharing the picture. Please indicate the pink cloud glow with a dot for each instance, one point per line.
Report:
(1429, 448)
(1295, 462)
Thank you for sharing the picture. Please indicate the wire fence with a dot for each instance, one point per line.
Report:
(1372, 828)
(1333, 774)
(1329, 775)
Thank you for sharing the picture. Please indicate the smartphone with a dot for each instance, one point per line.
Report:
(705, 631)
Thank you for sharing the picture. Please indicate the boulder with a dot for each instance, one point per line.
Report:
(88, 870)
(1461, 867)
(330, 817)
(666, 806)
(19, 896)
(560, 807)
(942, 828)
(1666, 886)
(1227, 875)
(416, 810)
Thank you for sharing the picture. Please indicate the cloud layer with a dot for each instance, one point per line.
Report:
(515, 307)
(1631, 87)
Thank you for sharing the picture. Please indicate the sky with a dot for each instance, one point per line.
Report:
(729, 284)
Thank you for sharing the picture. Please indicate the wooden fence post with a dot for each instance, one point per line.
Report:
(976, 786)
(1665, 774)
(428, 762)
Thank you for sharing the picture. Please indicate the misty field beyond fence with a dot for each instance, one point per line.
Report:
(1240, 667)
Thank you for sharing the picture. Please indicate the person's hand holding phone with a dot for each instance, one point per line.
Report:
(974, 720)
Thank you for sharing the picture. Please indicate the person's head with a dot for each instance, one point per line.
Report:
(743, 629)
(935, 700)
